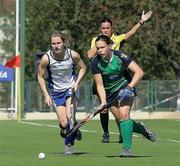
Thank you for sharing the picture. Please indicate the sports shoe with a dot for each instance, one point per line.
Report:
(126, 153)
(68, 149)
(150, 135)
(78, 135)
(105, 138)
(120, 139)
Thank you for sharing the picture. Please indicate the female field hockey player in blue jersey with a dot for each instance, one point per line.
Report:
(59, 62)
(107, 68)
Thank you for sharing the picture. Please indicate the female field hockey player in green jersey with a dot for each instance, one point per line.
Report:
(107, 68)
(106, 28)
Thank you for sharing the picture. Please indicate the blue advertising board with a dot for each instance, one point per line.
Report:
(6, 74)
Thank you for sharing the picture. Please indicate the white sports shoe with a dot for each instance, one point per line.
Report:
(150, 135)
(68, 149)
(126, 153)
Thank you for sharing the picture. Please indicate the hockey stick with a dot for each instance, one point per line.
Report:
(90, 116)
(71, 115)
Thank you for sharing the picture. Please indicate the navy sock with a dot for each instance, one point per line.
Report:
(71, 138)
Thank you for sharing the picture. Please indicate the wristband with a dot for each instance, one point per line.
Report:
(141, 22)
(129, 87)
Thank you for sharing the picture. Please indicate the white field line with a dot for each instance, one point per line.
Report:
(54, 126)
(92, 131)
(170, 140)
(176, 120)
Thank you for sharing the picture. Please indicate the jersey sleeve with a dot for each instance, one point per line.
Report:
(93, 42)
(126, 60)
(118, 40)
(120, 37)
(94, 66)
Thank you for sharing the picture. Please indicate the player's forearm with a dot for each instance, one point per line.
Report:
(136, 78)
(132, 31)
(144, 18)
(81, 74)
(101, 93)
(42, 85)
(92, 52)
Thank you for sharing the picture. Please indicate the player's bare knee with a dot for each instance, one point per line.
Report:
(124, 116)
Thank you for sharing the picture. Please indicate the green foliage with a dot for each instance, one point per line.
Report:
(156, 46)
(7, 25)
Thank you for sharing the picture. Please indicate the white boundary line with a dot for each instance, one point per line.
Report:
(54, 126)
(91, 131)
(170, 140)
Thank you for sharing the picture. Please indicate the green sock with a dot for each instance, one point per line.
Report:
(138, 128)
(126, 131)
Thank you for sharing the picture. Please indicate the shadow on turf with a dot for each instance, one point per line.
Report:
(127, 157)
(114, 142)
(74, 154)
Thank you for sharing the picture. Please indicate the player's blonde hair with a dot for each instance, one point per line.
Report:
(64, 35)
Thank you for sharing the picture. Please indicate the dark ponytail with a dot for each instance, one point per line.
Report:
(104, 38)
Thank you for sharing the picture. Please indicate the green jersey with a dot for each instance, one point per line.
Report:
(112, 71)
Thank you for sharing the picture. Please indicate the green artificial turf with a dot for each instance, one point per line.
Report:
(20, 144)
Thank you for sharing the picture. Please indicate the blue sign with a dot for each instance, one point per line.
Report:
(6, 74)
